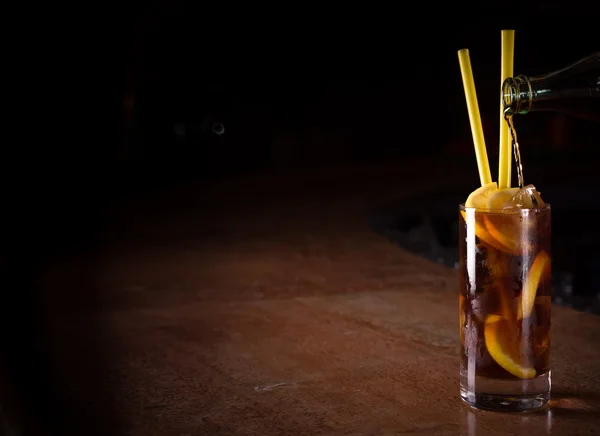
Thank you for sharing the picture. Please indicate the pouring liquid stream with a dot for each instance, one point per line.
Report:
(515, 145)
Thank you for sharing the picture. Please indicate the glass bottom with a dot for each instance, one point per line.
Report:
(506, 395)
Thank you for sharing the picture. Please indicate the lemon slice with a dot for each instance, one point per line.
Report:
(539, 268)
(499, 198)
(501, 341)
(479, 197)
(503, 242)
(483, 234)
(497, 201)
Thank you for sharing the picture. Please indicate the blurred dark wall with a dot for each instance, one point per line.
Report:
(309, 100)
(139, 87)
(145, 84)
(142, 86)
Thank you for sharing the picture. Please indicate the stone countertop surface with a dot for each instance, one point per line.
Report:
(269, 307)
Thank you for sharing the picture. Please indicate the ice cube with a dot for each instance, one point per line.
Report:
(474, 347)
(526, 198)
(484, 303)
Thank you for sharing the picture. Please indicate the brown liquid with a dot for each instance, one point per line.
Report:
(515, 144)
(491, 283)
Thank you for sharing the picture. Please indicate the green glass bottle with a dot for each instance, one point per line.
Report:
(573, 90)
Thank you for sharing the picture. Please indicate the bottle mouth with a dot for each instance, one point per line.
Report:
(516, 95)
(509, 93)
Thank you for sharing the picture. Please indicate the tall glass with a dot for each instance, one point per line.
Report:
(505, 307)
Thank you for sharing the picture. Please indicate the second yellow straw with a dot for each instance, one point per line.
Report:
(505, 152)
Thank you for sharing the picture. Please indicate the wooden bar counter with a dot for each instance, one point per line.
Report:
(269, 307)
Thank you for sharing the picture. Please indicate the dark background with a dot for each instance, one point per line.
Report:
(135, 89)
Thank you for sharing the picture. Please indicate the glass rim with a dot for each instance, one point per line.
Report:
(516, 211)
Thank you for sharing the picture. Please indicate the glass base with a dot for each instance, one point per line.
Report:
(505, 403)
(507, 395)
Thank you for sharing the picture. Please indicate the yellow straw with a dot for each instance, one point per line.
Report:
(505, 158)
(483, 164)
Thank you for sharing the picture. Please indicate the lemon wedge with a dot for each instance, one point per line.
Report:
(539, 268)
(502, 343)
(479, 197)
(498, 199)
(503, 241)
